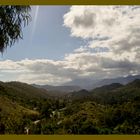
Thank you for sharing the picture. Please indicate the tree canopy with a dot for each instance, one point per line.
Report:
(12, 20)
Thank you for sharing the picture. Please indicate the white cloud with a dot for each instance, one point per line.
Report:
(100, 21)
(114, 27)
(114, 33)
(113, 48)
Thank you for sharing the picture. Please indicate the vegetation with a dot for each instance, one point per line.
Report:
(111, 109)
(24, 109)
(12, 20)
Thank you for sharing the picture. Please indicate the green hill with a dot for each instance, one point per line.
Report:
(122, 94)
(25, 90)
(110, 109)
(110, 94)
(14, 117)
(18, 102)
(22, 93)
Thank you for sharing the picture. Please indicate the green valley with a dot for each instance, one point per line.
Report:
(110, 109)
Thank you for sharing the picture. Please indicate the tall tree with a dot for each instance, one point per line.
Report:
(12, 20)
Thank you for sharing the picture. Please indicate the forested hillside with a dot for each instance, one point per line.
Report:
(110, 109)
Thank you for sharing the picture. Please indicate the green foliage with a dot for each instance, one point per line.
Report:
(13, 117)
(12, 19)
(113, 111)
(26, 95)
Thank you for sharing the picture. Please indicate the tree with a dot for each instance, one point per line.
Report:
(12, 20)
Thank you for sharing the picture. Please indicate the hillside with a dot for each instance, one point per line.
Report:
(9, 107)
(110, 94)
(107, 88)
(14, 116)
(26, 90)
(128, 92)
(110, 109)
(22, 93)
(20, 105)
(79, 94)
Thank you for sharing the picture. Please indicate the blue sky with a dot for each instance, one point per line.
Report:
(44, 38)
(66, 43)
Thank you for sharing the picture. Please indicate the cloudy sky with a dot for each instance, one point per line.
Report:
(64, 43)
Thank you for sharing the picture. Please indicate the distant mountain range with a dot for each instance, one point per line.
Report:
(90, 84)
(58, 90)
(24, 90)
(112, 93)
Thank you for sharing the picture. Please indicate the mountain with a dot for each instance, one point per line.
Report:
(121, 80)
(24, 89)
(107, 88)
(109, 109)
(135, 83)
(85, 93)
(110, 94)
(62, 90)
(79, 94)
(17, 103)
(90, 84)
(84, 83)
(22, 93)
(126, 93)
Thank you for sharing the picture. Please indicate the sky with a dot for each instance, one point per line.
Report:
(65, 43)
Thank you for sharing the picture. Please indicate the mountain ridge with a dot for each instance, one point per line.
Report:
(90, 84)
(68, 88)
